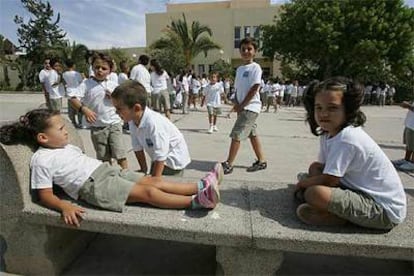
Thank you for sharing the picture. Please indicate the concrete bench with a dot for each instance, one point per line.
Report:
(251, 228)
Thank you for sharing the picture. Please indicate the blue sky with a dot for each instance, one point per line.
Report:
(98, 24)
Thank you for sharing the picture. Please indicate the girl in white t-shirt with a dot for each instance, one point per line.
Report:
(353, 180)
(160, 97)
(56, 162)
(213, 92)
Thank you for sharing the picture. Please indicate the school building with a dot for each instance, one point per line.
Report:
(230, 22)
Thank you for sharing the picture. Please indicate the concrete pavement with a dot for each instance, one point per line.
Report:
(289, 147)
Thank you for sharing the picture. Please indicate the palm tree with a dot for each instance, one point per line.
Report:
(75, 52)
(190, 41)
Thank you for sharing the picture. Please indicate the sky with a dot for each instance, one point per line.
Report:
(98, 24)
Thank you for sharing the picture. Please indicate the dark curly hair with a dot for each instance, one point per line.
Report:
(25, 130)
(353, 95)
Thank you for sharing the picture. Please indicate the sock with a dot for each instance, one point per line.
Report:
(194, 203)
(200, 185)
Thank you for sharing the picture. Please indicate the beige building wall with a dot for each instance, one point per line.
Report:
(222, 17)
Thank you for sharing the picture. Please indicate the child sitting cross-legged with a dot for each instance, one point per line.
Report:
(93, 181)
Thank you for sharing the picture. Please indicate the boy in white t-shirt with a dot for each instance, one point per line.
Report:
(213, 92)
(54, 85)
(151, 132)
(407, 164)
(73, 79)
(99, 113)
(247, 106)
(42, 78)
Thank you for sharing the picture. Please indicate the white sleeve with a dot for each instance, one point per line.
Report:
(136, 146)
(256, 75)
(41, 177)
(339, 160)
(161, 143)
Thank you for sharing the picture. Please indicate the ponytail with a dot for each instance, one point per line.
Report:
(26, 129)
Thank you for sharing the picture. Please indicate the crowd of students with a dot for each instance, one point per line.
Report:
(352, 181)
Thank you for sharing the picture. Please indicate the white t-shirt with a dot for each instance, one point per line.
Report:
(53, 85)
(213, 94)
(43, 75)
(73, 79)
(122, 77)
(185, 85)
(354, 156)
(140, 73)
(66, 167)
(247, 76)
(409, 120)
(159, 82)
(113, 77)
(95, 98)
(196, 85)
(160, 139)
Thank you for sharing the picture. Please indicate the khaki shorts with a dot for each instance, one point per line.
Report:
(213, 111)
(165, 100)
(108, 142)
(245, 125)
(108, 187)
(358, 208)
(408, 138)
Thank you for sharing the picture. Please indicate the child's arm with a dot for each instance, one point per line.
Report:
(140, 155)
(71, 214)
(90, 115)
(253, 90)
(158, 168)
(323, 179)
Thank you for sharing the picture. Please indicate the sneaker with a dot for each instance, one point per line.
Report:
(214, 176)
(407, 166)
(257, 166)
(215, 128)
(398, 162)
(227, 169)
(209, 196)
(210, 130)
(310, 215)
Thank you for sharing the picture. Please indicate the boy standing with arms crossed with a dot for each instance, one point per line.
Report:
(247, 106)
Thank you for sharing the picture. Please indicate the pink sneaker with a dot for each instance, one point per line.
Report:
(215, 175)
(209, 196)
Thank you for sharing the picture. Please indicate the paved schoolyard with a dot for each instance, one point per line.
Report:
(289, 147)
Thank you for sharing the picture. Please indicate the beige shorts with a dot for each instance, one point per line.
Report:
(108, 142)
(213, 111)
(408, 138)
(165, 100)
(245, 125)
(358, 208)
(108, 187)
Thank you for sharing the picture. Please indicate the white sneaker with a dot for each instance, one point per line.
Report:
(407, 166)
(215, 128)
(210, 130)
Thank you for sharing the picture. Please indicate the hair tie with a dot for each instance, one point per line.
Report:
(24, 120)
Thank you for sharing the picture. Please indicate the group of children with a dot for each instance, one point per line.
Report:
(352, 181)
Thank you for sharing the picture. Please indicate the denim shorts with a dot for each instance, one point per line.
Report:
(108, 187)
(358, 208)
(245, 125)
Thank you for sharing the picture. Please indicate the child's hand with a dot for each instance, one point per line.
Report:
(89, 115)
(72, 214)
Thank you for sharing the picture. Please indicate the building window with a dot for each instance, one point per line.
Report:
(237, 37)
(201, 69)
(210, 67)
(247, 31)
(256, 32)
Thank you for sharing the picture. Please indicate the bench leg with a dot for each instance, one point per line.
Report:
(247, 261)
(41, 250)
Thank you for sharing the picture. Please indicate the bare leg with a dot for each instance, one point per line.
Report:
(257, 148)
(234, 148)
(156, 197)
(123, 163)
(214, 119)
(210, 119)
(169, 187)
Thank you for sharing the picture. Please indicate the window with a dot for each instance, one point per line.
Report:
(247, 31)
(210, 67)
(201, 69)
(256, 32)
(237, 30)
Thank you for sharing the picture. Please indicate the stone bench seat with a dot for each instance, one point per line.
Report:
(252, 227)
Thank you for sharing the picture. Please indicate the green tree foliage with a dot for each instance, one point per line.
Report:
(191, 41)
(224, 69)
(76, 52)
(40, 36)
(368, 40)
(171, 59)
